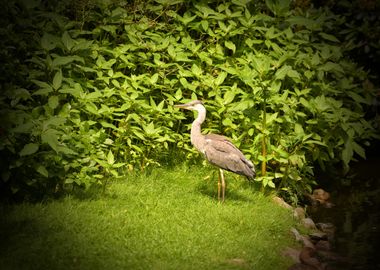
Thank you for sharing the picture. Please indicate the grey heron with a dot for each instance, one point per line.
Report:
(217, 149)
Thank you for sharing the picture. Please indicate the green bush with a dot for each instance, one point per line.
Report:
(91, 89)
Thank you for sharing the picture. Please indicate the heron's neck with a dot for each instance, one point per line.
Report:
(197, 139)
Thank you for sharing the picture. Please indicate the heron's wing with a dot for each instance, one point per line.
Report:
(223, 144)
(222, 153)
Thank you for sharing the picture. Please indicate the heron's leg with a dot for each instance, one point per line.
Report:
(219, 186)
(223, 184)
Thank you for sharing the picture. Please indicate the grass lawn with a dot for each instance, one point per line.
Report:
(169, 219)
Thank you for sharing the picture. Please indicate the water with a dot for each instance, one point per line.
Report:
(356, 215)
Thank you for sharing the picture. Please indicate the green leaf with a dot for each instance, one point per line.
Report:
(329, 37)
(271, 184)
(187, 18)
(196, 70)
(204, 24)
(240, 106)
(154, 79)
(270, 117)
(293, 74)
(298, 129)
(54, 121)
(49, 42)
(114, 173)
(42, 84)
(110, 158)
(149, 129)
(94, 95)
(358, 150)
(358, 98)
(178, 94)
(321, 103)
(82, 45)
(278, 7)
(65, 60)
(347, 152)
(221, 77)
(118, 165)
(76, 91)
(242, 3)
(228, 122)
(160, 106)
(108, 125)
(42, 170)
(66, 150)
(43, 92)
(53, 102)
(29, 149)
(282, 72)
(91, 107)
(67, 41)
(170, 2)
(315, 60)
(203, 8)
(50, 136)
(171, 51)
(139, 135)
(230, 45)
(228, 97)
(57, 80)
(123, 107)
(302, 21)
(204, 56)
(186, 84)
(270, 33)
(315, 142)
(330, 66)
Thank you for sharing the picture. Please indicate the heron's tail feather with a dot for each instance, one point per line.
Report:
(249, 170)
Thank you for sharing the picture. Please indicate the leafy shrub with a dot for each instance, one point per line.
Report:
(92, 95)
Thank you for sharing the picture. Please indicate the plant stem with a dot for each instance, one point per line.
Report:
(263, 142)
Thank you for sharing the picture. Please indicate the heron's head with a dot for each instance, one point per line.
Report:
(192, 105)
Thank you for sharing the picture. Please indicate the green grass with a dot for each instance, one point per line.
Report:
(169, 219)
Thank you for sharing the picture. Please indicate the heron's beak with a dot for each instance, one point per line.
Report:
(182, 106)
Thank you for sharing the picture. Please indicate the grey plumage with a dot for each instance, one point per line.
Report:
(217, 149)
(221, 152)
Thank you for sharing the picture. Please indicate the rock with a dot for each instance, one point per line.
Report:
(323, 245)
(308, 223)
(308, 257)
(281, 202)
(317, 236)
(301, 238)
(321, 195)
(306, 242)
(326, 227)
(296, 234)
(299, 213)
(292, 253)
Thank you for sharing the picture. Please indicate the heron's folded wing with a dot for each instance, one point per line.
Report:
(223, 144)
(222, 153)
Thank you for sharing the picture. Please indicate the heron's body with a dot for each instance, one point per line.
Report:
(217, 149)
